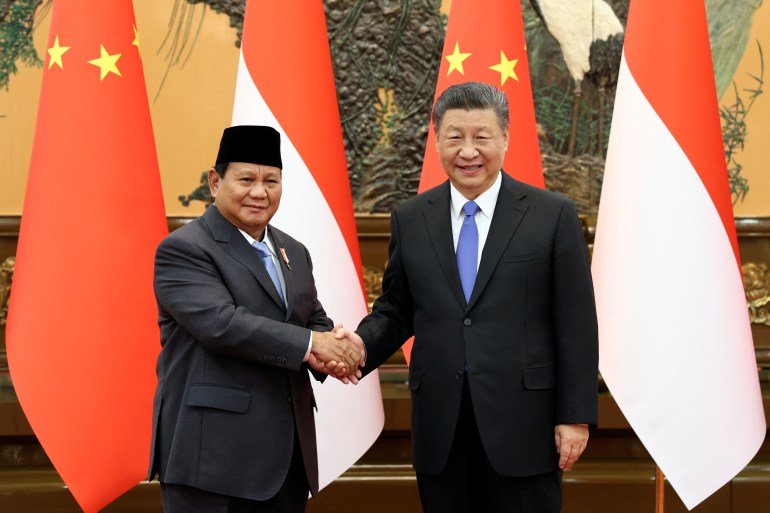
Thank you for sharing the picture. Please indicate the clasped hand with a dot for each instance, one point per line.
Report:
(339, 353)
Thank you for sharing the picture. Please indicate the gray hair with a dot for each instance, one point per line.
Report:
(471, 96)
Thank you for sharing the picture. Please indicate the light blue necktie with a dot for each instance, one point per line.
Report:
(468, 249)
(267, 258)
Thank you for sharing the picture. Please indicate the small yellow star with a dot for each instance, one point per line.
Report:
(135, 42)
(505, 68)
(456, 60)
(56, 52)
(107, 63)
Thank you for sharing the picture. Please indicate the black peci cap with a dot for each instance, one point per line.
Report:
(252, 144)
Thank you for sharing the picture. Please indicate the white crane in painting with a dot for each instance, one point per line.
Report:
(590, 36)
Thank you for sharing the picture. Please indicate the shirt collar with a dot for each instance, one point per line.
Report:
(265, 238)
(486, 200)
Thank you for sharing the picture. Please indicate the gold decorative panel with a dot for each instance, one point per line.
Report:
(6, 276)
(756, 279)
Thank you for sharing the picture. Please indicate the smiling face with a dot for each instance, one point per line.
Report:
(471, 146)
(247, 195)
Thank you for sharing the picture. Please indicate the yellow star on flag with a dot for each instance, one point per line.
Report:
(456, 60)
(107, 63)
(56, 52)
(135, 42)
(505, 68)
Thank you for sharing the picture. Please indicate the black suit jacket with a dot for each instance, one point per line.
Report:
(232, 386)
(527, 337)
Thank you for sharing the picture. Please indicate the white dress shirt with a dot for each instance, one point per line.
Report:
(269, 241)
(486, 202)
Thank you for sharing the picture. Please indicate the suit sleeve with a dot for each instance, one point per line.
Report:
(318, 321)
(190, 290)
(390, 324)
(576, 329)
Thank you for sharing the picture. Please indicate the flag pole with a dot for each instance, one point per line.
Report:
(660, 491)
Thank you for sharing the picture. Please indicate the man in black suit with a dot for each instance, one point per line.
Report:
(491, 276)
(233, 427)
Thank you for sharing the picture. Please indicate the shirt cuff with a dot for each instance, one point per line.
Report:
(309, 346)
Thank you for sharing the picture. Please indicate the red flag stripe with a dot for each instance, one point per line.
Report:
(660, 65)
(296, 105)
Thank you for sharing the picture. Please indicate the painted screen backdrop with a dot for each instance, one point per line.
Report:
(194, 103)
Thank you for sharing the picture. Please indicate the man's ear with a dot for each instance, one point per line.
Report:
(214, 179)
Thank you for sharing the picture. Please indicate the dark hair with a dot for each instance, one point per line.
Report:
(471, 96)
(221, 168)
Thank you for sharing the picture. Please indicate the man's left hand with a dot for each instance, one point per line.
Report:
(334, 369)
(571, 441)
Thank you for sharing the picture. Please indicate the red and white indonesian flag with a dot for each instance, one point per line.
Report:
(285, 81)
(674, 335)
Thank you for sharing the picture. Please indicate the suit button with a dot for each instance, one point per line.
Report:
(467, 322)
(459, 374)
(288, 399)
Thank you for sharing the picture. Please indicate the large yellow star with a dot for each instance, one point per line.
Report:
(56, 52)
(505, 68)
(135, 42)
(456, 60)
(107, 63)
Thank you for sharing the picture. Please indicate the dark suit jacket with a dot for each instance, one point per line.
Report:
(231, 382)
(527, 337)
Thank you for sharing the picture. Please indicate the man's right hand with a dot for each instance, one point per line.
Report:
(344, 354)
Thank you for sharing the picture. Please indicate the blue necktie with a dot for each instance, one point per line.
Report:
(267, 259)
(468, 249)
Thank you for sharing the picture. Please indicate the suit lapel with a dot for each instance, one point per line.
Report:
(506, 219)
(237, 247)
(288, 276)
(439, 227)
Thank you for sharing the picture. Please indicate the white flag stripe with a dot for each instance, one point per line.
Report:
(671, 305)
(349, 418)
(304, 213)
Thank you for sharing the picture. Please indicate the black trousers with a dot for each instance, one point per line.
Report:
(291, 497)
(469, 484)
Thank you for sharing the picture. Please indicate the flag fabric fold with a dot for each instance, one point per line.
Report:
(675, 342)
(285, 81)
(82, 329)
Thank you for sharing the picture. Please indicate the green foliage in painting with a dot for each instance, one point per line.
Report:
(735, 130)
(553, 106)
(16, 26)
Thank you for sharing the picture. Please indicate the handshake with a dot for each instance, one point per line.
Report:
(338, 353)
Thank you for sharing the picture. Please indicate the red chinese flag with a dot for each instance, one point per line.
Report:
(82, 332)
(485, 43)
